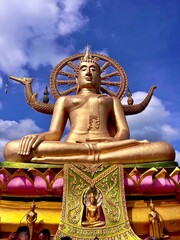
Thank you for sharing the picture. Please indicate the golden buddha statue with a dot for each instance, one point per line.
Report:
(99, 132)
(31, 218)
(156, 224)
(92, 210)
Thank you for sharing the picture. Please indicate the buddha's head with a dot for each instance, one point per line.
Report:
(33, 206)
(92, 198)
(88, 73)
(151, 205)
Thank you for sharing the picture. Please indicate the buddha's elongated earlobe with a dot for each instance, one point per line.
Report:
(77, 84)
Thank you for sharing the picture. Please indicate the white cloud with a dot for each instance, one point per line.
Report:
(2, 144)
(29, 32)
(71, 19)
(11, 130)
(15, 130)
(178, 157)
(170, 133)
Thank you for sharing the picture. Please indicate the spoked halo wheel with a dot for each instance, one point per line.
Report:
(114, 81)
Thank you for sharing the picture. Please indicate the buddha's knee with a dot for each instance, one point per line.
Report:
(10, 151)
(162, 151)
(169, 151)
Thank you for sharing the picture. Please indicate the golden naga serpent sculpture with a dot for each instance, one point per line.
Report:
(64, 73)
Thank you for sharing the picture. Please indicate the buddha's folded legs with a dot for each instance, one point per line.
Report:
(46, 148)
(126, 151)
(140, 152)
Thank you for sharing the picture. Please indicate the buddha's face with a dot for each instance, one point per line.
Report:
(152, 207)
(89, 76)
(32, 207)
(92, 199)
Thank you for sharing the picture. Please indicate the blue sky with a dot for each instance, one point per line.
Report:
(142, 35)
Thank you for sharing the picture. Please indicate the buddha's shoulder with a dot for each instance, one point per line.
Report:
(71, 101)
(105, 98)
(68, 99)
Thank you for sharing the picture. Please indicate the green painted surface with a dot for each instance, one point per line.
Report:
(166, 164)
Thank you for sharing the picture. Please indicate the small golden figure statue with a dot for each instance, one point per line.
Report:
(156, 224)
(99, 132)
(31, 218)
(93, 202)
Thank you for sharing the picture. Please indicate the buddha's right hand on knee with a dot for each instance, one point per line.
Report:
(29, 142)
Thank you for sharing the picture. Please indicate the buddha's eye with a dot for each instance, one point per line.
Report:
(83, 69)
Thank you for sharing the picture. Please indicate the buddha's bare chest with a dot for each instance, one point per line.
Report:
(89, 105)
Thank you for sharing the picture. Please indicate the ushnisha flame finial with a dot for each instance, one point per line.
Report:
(88, 57)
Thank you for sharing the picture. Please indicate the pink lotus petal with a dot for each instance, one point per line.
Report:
(40, 185)
(20, 186)
(3, 177)
(146, 184)
(163, 186)
(57, 186)
(129, 185)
